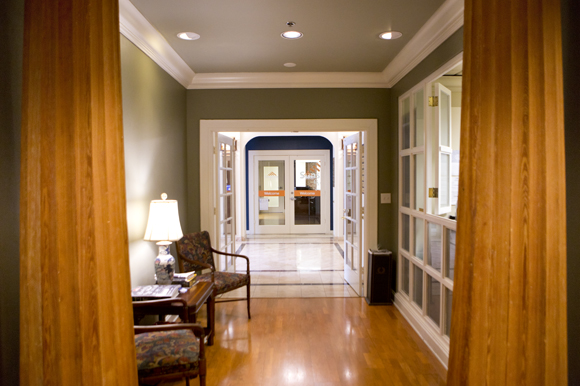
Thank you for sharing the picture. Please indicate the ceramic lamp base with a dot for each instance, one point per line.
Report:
(164, 264)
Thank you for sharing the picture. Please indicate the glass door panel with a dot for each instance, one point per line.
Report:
(307, 189)
(272, 189)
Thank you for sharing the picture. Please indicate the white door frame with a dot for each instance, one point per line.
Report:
(323, 154)
(304, 127)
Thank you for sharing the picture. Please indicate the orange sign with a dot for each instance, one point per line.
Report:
(272, 193)
(307, 193)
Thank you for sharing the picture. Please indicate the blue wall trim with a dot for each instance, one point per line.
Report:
(289, 143)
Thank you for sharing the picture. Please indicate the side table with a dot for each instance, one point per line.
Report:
(186, 305)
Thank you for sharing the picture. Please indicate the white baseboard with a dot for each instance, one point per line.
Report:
(430, 336)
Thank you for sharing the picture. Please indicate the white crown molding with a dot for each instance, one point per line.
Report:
(288, 80)
(140, 32)
(135, 27)
(444, 22)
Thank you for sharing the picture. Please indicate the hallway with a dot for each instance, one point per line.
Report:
(294, 266)
(316, 342)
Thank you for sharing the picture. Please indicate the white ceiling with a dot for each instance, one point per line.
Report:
(241, 46)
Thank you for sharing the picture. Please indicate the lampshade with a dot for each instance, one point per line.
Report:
(163, 223)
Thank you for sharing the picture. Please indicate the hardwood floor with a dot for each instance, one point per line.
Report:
(320, 341)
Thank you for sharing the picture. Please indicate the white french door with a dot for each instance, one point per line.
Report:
(352, 215)
(442, 151)
(226, 191)
(290, 192)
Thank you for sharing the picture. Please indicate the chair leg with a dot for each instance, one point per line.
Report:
(186, 381)
(248, 299)
(201, 380)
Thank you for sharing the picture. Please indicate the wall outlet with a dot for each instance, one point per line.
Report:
(385, 198)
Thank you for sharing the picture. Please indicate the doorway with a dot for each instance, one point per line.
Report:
(289, 192)
(332, 129)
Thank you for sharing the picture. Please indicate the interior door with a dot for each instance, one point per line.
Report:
(225, 207)
(290, 191)
(352, 216)
(442, 118)
(309, 196)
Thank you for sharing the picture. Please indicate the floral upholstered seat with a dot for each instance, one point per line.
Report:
(226, 281)
(170, 352)
(194, 253)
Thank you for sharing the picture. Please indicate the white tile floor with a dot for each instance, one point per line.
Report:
(293, 267)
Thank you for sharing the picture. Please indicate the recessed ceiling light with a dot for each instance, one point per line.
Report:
(291, 35)
(289, 64)
(188, 35)
(390, 35)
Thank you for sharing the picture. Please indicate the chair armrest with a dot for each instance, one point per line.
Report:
(196, 328)
(159, 302)
(195, 262)
(235, 255)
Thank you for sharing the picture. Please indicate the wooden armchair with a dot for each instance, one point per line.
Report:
(172, 351)
(194, 253)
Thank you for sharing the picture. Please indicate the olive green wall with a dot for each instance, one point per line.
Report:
(295, 104)
(11, 38)
(154, 129)
(571, 60)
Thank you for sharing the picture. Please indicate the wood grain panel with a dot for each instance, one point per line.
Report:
(76, 314)
(509, 316)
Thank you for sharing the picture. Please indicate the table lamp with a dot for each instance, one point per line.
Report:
(163, 226)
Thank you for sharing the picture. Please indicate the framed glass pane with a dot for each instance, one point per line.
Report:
(406, 115)
(445, 109)
(448, 304)
(419, 117)
(405, 276)
(229, 231)
(271, 188)
(406, 199)
(350, 183)
(406, 233)
(450, 254)
(419, 237)
(354, 154)
(226, 180)
(420, 182)
(355, 259)
(348, 156)
(348, 231)
(418, 285)
(228, 156)
(222, 155)
(222, 235)
(434, 239)
(445, 180)
(434, 300)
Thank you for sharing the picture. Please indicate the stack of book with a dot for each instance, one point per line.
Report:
(186, 279)
(148, 292)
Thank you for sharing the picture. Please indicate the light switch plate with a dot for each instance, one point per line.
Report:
(385, 198)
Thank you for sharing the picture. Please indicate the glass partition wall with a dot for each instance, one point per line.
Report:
(429, 130)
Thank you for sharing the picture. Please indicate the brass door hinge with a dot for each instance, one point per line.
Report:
(433, 101)
(433, 192)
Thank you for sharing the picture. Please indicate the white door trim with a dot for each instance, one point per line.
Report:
(304, 126)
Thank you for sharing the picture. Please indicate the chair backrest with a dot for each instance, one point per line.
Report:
(194, 247)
